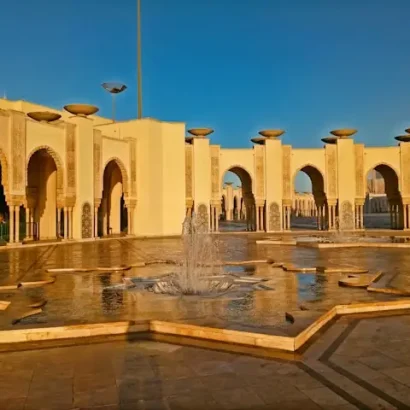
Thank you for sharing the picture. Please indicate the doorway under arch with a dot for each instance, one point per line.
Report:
(383, 207)
(310, 207)
(41, 196)
(112, 216)
(238, 202)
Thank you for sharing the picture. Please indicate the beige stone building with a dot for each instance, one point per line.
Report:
(75, 175)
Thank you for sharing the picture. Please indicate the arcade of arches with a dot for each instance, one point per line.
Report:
(71, 176)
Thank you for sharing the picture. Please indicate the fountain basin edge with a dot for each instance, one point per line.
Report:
(227, 336)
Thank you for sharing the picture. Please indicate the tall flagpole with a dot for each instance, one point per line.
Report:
(139, 73)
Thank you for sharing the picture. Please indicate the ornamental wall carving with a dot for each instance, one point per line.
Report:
(70, 155)
(4, 130)
(203, 220)
(259, 171)
(405, 169)
(215, 150)
(188, 171)
(4, 173)
(347, 216)
(86, 221)
(97, 163)
(274, 217)
(331, 170)
(18, 152)
(287, 182)
(133, 164)
(360, 177)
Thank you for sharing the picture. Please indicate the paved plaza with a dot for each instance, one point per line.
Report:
(359, 363)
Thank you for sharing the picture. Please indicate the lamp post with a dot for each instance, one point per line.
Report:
(139, 68)
(114, 89)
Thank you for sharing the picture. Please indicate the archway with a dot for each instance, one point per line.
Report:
(42, 195)
(383, 207)
(238, 202)
(310, 207)
(112, 212)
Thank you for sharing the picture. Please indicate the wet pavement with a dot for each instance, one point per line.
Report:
(91, 297)
(359, 363)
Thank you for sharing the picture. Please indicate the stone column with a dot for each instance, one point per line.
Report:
(405, 216)
(129, 216)
(105, 216)
(286, 211)
(257, 219)
(70, 223)
(28, 223)
(11, 224)
(58, 222)
(331, 216)
(95, 221)
(17, 225)
(361, 217)
(65, 223)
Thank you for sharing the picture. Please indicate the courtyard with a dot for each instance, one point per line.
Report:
(359, 361)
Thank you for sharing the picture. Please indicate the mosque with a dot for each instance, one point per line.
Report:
(69, 174)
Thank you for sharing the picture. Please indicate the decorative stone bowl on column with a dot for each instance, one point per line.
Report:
(403, 138)
(267, 134)
(330, 140)
(344, 132)
(271, 133)
(259, 140)
(81, 110)
(44, 116)
(200, 132)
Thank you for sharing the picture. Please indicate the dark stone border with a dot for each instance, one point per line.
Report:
(325, 359)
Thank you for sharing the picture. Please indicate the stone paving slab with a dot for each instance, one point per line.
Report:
(157, 375)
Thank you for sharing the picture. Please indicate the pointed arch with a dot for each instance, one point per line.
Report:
(59, 165)
(123, 171)
(315, 175)
(390, 175)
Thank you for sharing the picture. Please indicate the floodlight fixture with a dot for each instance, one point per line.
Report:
(114, 89)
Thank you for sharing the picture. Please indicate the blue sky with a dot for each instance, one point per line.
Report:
(239, 66)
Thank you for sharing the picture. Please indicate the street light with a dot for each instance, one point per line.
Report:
(114, 89)
(139, 63)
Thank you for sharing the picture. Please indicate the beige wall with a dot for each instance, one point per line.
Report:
(152, 156)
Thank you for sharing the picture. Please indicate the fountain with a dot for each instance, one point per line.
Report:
(199, 273)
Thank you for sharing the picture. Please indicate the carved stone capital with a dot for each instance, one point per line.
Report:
(69, 201)
(130, 203)
(287, 202)
(359, 201)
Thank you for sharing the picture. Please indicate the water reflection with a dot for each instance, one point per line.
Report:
(93, 297)
(111, 298)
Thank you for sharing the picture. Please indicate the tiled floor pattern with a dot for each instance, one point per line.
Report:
(357, 363)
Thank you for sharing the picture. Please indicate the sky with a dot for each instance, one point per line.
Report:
(238, 66)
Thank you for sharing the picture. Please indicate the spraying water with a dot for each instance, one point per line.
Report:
(200, 272)
(200, 253)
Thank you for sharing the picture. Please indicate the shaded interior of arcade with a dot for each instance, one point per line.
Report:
(46, 214)
(238, 210)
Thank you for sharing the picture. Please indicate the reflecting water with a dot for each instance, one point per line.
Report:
(96, 296)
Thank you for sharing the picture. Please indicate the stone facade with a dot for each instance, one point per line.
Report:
(130, 174)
